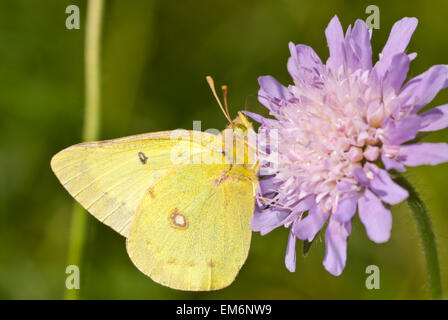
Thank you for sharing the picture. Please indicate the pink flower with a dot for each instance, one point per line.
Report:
(341, 127)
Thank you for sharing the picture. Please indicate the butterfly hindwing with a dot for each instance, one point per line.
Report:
(193, 232)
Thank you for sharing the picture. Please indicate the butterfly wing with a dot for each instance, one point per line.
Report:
(109, 178)
(193, 232)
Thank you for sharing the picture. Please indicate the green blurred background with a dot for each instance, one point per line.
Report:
(155, 55)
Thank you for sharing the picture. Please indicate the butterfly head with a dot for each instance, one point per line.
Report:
(241, 126)
(239, 138)
(240, 143)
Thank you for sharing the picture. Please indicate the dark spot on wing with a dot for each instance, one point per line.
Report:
(210, 264)
(172, 261)
(142, 157)
(151, 193)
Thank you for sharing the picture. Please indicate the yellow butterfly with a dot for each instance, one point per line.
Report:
(183, 199)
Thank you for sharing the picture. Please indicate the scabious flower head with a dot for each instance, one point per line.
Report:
(342, 126)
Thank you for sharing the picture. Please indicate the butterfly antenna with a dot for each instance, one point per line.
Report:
(211, 83)
(225, 91)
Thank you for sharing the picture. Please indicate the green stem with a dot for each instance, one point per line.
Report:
(428, 239)
(91, 125)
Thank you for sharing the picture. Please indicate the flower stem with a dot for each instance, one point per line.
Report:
(428, 239)
(91, 125)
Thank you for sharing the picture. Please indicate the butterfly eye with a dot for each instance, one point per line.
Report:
(240, 129)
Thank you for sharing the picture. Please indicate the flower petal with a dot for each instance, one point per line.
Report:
(254, 116)
(336, 246)
(335, 40)
(376, 219)
(266, 188)
(423, 153)
(272, 94)
(268, 219)
(399, 38)
(273, 88)
(385, 187)
(380, 183)
(434, 119)
(361, 44)
(361, 176)
(304, 64)
(400, 35)
(267, 184)
(305, 204)
(412, 56)
(420, 90)
(308, 227)
(346, 208)
(290, 257)
(392, 164)
(404, 131)
(395, 76)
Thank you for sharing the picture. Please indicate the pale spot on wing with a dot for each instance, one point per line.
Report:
(178, 220)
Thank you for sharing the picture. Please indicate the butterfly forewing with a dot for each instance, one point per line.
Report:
(110, 178)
